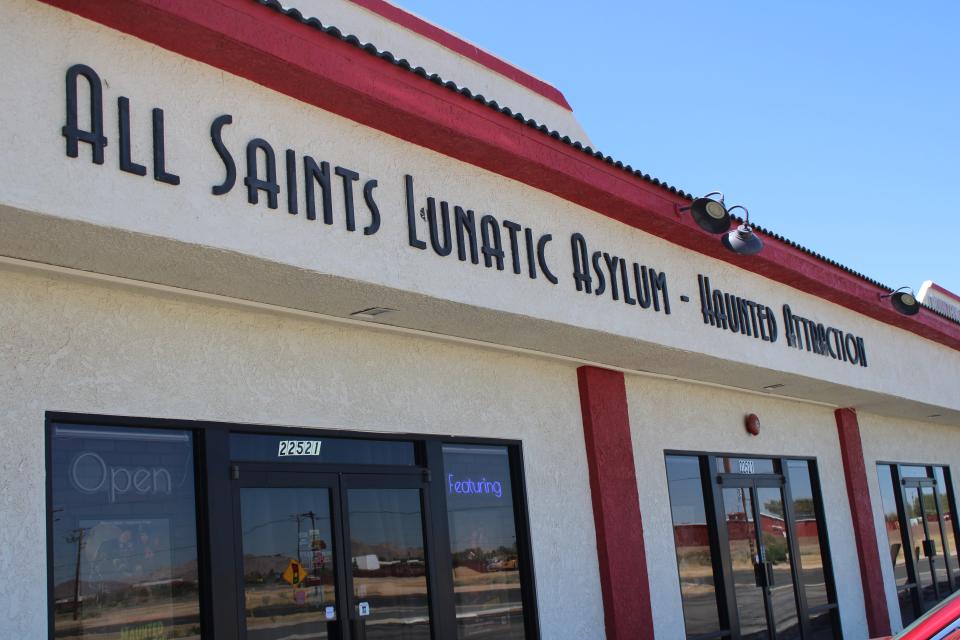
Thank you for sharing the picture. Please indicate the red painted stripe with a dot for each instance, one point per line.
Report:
(616, 505)
(257, 43)
(464, 48)
(864, 532)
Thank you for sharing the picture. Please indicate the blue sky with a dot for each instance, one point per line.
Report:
(836, 124)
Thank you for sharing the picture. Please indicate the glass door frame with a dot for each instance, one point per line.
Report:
(215, 472)
(338, 479)
(752, 483)
(902, 484)
(353, 480)
(267, 476)
(713, 483)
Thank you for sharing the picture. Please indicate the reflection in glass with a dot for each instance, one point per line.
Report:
(935, 535)
(948, 523)
(930, 538)
(745, 563)
(692, 539)
(908, 612)
(822, 625)
(389, 565)
(124, 534)
(776, 553)
(807, 532)
(288, 575)
(923, 563)
(483, 542)
(892, 525)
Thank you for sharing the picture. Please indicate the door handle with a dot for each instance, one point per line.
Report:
(759, 572)
(929, 549)
(763, 574)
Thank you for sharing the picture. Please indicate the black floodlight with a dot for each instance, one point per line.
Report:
(743, 240)
(710, 214)
(903, 301)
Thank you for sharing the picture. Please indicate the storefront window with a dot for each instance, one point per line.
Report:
(750, 541)
(289, 560)
(300, 535)
(124, 534)
(940, 476)
(808, 530)
(895, 539)
(921, 533)
(483, 542)
(691, 536)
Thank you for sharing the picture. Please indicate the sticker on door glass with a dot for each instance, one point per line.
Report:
(364, 608)
(298, 448)
(330, 613)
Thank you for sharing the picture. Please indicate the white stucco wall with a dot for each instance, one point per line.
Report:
(436, 293)
(900, 441)
(673, 416)
(69, 345)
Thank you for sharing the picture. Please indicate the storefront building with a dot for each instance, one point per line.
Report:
(317, 335)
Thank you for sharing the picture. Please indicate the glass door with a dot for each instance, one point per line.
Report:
(746, 562)
(387, 581)
(760, 559)
(291, 562)
(925, 525)
(331, 556)
(778, 569)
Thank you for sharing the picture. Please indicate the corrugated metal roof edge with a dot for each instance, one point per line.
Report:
(542, 128)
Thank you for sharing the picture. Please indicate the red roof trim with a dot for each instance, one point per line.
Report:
(253, 41)
(464, 48)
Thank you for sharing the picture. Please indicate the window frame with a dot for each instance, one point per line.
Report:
(726, 600)
(900, 483)
(213, 488)
(51, 422)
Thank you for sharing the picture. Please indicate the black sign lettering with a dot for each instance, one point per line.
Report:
(123, 117)
(72, 131)
(254, 183)
(372, 207)
(229, 166)
(314, 174)
(348, 177)
(160, 173)
(446, 246)
(581, 267)
(596, 273)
